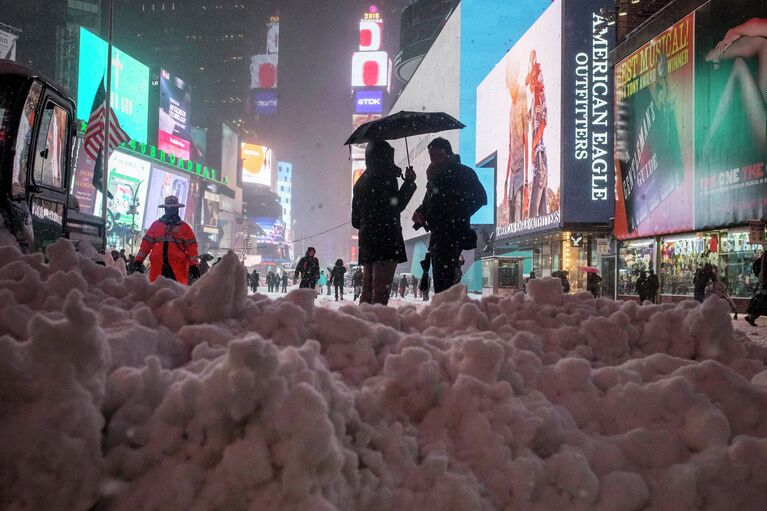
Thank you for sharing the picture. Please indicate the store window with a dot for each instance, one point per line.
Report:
(633, 257)
(736, 257)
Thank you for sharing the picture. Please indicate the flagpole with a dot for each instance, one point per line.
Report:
(107, 116)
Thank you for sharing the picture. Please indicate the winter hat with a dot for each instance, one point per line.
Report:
(379, 151)
(171, 201)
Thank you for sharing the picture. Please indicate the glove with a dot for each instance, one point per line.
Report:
(194, 272)
(138, 266)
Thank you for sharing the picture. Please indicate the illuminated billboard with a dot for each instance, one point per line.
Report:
(173, 135)
(371, 34)
(230, 150)
(655, 118)
(128, 175)
(211, 209)
(368, 102)
(370, 69)
(519, 123)
(256, 164)
(163, 183)
(129, 84)
(271, 230)
(265, 102)
(263, 71)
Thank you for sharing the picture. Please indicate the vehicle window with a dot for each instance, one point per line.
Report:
(50, 153)
(24, 140)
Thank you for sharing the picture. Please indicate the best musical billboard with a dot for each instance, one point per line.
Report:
(129, 84)
(256, 164)
(173, 134)
(519, 120)
(654, 124)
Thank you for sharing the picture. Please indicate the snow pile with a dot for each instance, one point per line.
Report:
(125, 395)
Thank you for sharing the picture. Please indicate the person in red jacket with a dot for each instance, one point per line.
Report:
(171, 246)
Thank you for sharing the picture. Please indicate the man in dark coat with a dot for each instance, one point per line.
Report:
(284, 281)
(254, 281)
(700, 280)
(309, 269)
(377, 204)
(653, 284)
(641, 286)
(337, 278)
(453, 195)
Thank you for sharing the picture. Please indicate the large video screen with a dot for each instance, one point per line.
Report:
(128, 175)
(129, 84)
(256, 164)
(519, 122)
(173, 135)
(272, 230)
(484, 39)
(162, 184)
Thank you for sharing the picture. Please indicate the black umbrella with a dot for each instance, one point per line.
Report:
(402, 125)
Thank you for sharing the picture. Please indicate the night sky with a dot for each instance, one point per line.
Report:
(316, 106)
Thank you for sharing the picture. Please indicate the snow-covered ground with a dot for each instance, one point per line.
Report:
(121, 395)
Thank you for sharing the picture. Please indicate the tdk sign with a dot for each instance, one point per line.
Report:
(369, 102)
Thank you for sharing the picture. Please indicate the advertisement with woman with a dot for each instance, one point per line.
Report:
(654, 120)
(518, 119)
(731, 112)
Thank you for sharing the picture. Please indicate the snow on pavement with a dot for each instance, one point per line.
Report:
(122, 395)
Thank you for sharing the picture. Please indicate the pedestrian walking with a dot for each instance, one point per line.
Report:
(322, 281)
(757, 306)
(357, 282)
(403, 286)
(453, 195)
(700, 280)
(254, 281)
(394, 287)
(377, 204)
(414, 285)
(308, 268)
(337, 278)
(425, 281)
(170, 245)
(641, 286)
(284, 281)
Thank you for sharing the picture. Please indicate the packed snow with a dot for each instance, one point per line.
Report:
(122, 395)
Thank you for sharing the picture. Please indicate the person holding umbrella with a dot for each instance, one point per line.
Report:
(453, 195)
(377, 204)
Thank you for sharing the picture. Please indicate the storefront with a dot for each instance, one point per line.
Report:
(551, 253)
(675, 258)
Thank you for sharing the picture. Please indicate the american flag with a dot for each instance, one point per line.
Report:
(94, 133)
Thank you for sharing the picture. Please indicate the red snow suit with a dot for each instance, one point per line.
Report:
(182, 248)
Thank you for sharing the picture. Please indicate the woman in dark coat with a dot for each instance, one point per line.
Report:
(337, 278)
(377, 204)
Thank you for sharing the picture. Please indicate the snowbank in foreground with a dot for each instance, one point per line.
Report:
(130, 396)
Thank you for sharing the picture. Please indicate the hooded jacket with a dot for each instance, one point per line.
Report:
(377, 204)
(453, 195)
(182, 247)
(337, 275)
(309, 269)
